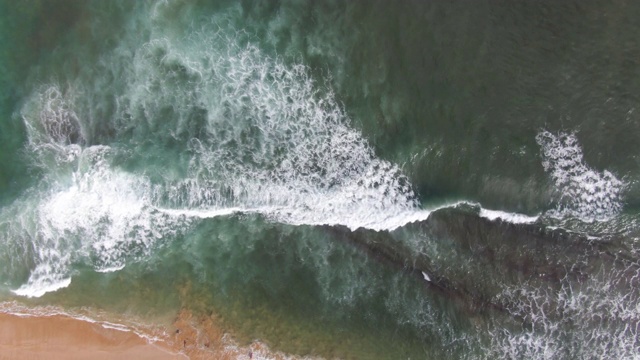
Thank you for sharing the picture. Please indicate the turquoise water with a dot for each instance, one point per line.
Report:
(341, 179)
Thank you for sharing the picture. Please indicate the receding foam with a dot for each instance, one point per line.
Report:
(596, 318)
(585, 193)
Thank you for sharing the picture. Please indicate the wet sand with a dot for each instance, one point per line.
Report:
(61, 337)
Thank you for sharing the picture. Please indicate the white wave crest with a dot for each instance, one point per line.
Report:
(514, 218)
(267, 136)
(42, 282)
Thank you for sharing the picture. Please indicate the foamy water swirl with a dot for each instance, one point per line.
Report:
(584, 192)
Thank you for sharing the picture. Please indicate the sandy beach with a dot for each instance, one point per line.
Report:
(34, 334)
(61, 337)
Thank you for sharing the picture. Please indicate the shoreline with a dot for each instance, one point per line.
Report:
(65, 337)
(49, 332)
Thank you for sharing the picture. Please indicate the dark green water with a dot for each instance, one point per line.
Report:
(351, 179)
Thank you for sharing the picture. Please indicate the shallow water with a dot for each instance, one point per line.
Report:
(341, 179)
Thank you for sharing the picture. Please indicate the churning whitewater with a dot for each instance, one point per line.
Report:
(267, 142)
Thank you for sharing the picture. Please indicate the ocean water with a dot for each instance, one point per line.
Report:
(342, 179)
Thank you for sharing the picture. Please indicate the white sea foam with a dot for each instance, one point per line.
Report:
(110, 269)
(41, 284)
(104, 218)
(514, 218)
(207, 213)
(114, 326)
(275, 141)
(597, 318)
(82, 212)
(259, 136)
(584, 192)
